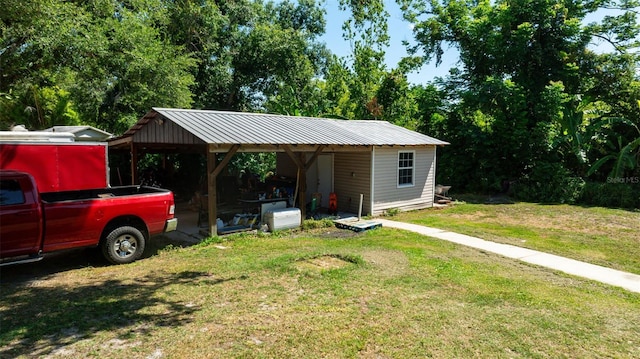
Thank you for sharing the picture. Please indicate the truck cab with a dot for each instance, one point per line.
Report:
(20, 214)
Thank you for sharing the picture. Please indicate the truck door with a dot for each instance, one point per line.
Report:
(20, 219)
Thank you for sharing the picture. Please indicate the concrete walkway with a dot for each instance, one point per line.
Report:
(605, 275)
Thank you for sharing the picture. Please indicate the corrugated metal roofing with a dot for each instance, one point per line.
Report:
(222, 127)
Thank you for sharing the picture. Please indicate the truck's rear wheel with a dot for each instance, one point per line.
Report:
(123, 245)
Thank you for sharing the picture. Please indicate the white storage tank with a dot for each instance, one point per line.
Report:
(280, 219)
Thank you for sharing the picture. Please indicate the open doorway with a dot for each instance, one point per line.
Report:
(324, 180)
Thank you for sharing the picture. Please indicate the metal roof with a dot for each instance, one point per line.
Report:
(223, 127)
(82, 132)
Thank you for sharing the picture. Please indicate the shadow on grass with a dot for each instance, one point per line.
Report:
(52, 263)
(163, 241)
(62, 261)
(38, 320)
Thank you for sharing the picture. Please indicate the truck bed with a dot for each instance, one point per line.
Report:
(78, 218)
(97, 193)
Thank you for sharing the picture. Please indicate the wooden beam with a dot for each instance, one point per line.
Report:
(303, 166)
(293, 157)
(225, 160)
(314, 157)
(134, 164)
(212, 208)
(302, 180)
(213, 171)
(302, 190)
(121, 141)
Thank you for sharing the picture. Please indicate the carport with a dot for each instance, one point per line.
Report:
(302, 139)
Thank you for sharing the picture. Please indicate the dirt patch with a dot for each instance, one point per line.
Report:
(322, 263)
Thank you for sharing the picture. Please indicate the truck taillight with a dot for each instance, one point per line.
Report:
(172, 209)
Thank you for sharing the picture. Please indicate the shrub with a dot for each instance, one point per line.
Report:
(392, 212)
(316, 223)
(620, 195)
(549, 183)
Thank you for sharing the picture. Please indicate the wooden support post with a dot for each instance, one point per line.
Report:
(212, 193)
(134, 164)
(303, 166)
(213, 171)
(226, 159)
(302, 178)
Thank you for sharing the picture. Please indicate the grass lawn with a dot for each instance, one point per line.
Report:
(607, 237)
(326, 293)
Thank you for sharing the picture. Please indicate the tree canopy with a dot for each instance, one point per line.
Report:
(107, 62)
(532, 98)
(542, 98)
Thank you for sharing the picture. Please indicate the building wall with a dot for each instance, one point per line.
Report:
(315, 179)
(352, 176)
(388, 195)
(165, 131)
(352, 173)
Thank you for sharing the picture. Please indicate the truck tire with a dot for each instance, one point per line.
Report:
(123, 245)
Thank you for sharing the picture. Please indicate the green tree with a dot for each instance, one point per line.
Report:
(337, 89)
(109, 56)
(248, 51)
(118, 59)
(522, 64)
(354, 81)
(38, 108)
(398, 100)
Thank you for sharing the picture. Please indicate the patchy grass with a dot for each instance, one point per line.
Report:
(317, 223)
(608, 237)
(393, 295)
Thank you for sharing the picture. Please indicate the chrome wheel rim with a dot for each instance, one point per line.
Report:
(125, 246)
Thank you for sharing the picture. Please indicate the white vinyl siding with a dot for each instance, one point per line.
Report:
(375, 175)
(388, 194)
(352, 177)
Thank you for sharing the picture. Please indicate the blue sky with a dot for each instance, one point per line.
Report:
(400, 30)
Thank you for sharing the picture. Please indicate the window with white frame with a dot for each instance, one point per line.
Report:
(405, 168)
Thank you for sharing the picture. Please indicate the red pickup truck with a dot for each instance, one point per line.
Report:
(118, 219)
